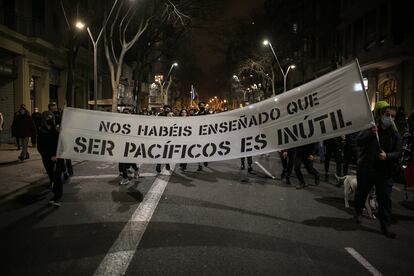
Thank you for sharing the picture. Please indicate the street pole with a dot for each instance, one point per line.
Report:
(266, 42)
(165, 97)
(80, 25)
(95, 69)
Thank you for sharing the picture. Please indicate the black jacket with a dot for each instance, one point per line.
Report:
(390, 142)
(47, 141)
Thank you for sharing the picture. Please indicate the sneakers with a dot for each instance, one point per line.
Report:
(54, 203)
(124, 181)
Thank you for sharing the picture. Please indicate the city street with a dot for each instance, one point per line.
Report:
(220, 221)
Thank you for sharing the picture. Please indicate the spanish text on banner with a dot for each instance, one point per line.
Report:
(332, 105)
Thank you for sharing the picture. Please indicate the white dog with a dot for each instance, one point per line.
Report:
(350, 185)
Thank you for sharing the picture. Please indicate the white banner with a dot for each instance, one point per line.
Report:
(330, 106)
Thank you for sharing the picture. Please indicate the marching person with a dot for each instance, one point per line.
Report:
(304, 154)
(380, 148)
(249, 158)
(46, 145)
(183, 113)
(123, 167)
(37, 119)
(23, 128)
(333, 148)
(52, 107)
(165, 111)
(288, 159)
(201, 111)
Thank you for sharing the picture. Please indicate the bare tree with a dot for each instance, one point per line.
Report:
(261, 66)
(127, 27)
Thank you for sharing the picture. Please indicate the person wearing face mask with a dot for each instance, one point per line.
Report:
(167, 112)
(183, 113)
(201, 111)
(380, 149)
(47, 141)
(23, 128)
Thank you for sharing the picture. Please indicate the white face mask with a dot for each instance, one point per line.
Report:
(386, 121)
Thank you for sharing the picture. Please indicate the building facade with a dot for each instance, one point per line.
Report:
(320, 36)
(33, 60)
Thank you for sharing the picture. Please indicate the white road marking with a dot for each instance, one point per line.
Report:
(78, 177)
(363, 261)
(119, 256)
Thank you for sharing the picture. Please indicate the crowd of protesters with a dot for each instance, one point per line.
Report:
(375, 152)
(42, 129)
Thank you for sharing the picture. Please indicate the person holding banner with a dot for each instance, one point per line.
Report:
(167, 112)
(304, 154)
(201, 111)
(249, 158)
(123, 167)
(380, 149)
(46, 145)
(183, 113)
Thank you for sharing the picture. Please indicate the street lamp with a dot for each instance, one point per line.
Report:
(80, 25)
(267, 42)
(165, 94)
(175, 64)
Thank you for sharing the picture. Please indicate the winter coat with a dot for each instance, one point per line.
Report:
(47, 141)
(23, 126)
(390, 142)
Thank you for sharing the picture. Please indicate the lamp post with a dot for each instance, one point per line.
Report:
(165, 94)
(80, 25)
(267, 42)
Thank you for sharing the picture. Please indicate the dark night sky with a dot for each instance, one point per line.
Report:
(202, 45)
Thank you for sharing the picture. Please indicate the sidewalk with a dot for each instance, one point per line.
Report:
(15, 174)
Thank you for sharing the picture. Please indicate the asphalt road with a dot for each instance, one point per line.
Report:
(221, 221)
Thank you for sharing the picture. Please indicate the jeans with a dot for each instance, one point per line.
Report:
(23, 143)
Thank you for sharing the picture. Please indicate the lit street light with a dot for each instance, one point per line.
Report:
(80, 25)
(165, 93)
(175, 64)
(267, 42)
